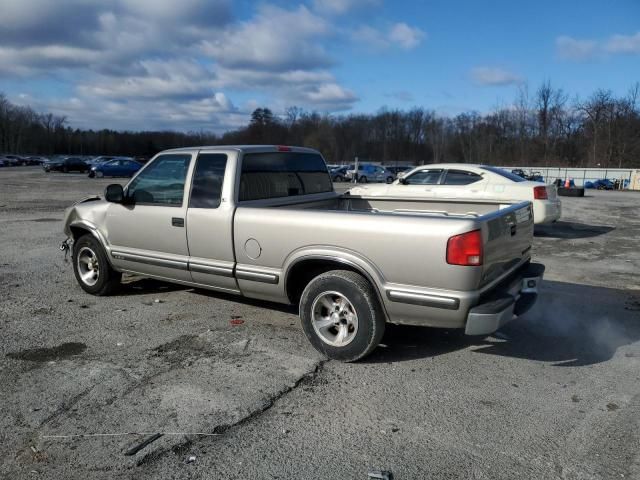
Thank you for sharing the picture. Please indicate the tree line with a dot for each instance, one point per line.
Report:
(542, 128)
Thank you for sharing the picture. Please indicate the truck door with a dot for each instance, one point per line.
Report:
(210, 222)
(147, 232)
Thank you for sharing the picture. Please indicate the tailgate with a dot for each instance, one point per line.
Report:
(508, 239)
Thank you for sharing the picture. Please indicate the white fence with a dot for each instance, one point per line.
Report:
(580, 175)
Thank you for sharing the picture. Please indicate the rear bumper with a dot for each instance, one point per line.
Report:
(512, 298)
(546, 211)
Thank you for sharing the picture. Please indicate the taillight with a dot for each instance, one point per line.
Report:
(465, 249)
(540, 193)
(284, 148)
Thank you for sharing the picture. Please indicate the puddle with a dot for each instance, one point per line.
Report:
(48, 354)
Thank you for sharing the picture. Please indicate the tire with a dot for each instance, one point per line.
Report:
(347, 337)
(338, 178)
(389, 179)
(99, 174)
(88, 256)
(92, 174)
(571, 192)
(362, 180)
(65, 170)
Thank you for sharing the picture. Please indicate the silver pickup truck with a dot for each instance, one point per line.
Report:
(266, 223)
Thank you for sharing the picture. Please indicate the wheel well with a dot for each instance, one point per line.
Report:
(304, 271)
(78, 232)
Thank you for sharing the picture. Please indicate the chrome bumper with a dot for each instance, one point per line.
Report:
(507, 302)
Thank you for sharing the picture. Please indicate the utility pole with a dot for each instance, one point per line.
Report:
(355, 172)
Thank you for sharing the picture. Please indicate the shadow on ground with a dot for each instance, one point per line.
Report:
(571, 230)
(571, 325)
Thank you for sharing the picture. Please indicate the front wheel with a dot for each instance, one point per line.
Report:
(341, 315)
(338, 178)
(99, 174)
(92, 269)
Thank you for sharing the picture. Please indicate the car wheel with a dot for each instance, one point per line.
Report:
(363, 180)
(92, 269)
(338, 178)
(99, 174)
(389, 179)
(92, 174)
(65, 169)
(341, 315)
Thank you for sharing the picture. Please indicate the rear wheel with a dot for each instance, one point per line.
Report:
(341, 315)
(389, 179)
(92, 269)
(363, 180)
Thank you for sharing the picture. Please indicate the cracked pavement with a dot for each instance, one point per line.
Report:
(553, 395)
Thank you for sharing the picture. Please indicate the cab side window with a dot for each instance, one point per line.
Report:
(206, 190)
(162, 182)
(424, 177)
(460, 177)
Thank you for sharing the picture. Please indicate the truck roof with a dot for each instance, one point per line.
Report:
(246, 148)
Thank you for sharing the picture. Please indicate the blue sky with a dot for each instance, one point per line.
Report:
(205, 64)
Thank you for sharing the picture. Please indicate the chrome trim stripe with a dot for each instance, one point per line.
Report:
(210, 269)
(160, 262)
(257, 276)
(425, 300)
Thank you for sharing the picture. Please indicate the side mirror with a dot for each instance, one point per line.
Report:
(114, 193)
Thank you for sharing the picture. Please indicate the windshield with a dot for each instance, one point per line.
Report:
(503, 173)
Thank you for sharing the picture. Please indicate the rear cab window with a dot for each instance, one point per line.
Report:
(282, 174)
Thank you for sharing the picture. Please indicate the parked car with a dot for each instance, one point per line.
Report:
(470, 182)
(371, 173)
(3, 163)
(339, 173)
(35, 160)
(601, 184)
(13, 160)
(66, 165)
(119, 167)
(244, 220)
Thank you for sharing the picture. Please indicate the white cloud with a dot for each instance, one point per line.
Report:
(398, 35)
(624, 44)
(276, 39)
(405, 36)
(569, 48)
(130, 60)
(494, 76)
(339, 7)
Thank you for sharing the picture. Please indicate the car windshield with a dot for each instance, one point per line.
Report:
(503, 173)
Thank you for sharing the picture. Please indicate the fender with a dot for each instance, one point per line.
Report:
(347, 257)
(93, 230)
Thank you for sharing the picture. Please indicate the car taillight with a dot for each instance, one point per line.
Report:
(540, 193)
(465, 249)
(284, 148)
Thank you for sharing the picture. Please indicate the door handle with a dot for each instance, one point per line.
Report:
(177, 222)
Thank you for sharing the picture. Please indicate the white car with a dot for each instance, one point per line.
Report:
(469, 182)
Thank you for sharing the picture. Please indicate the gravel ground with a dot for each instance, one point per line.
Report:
(86, 380)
